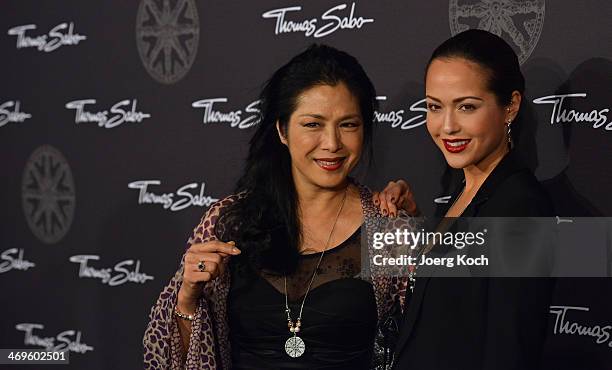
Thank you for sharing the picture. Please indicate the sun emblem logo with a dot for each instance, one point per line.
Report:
(518, 22)
(48, 194)
(167, 34)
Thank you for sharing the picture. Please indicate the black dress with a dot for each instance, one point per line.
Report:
(338, 320)
(481, 323)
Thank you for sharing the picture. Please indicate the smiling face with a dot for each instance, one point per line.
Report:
(464, 117)
(324, 136)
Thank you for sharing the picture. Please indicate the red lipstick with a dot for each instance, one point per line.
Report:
(455, 145)
(330, 164)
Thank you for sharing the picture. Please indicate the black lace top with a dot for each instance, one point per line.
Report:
(338, 320)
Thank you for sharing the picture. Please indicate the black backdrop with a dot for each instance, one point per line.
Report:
(97, 202)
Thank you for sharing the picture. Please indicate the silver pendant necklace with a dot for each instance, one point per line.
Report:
(295, 346)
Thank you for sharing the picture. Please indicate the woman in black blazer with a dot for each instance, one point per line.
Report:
(474, 88)
(481, 323)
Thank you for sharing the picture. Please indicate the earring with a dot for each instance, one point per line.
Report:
(509, 133)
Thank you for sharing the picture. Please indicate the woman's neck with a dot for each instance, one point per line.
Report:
(475, 175)
(313, 199)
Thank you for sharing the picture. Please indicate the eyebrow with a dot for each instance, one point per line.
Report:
(457, 100)
(318, 116)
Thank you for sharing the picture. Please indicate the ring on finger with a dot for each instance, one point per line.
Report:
(201, 266)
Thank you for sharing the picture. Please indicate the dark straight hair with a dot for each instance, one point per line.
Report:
(493, 54)
(265, 223)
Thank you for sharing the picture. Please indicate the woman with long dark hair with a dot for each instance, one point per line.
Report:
(272, 277)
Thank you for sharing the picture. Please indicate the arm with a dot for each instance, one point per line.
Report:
(214, 255)
(167, 341)
(184, 326)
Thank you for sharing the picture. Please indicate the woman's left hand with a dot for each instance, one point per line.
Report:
(396, 195)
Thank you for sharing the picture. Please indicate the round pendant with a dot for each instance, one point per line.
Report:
(295, 346)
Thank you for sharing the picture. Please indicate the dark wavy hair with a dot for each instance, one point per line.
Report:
(265, 223)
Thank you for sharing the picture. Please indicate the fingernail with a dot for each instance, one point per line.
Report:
(392, 214)
(393, 199)
(384, 212)
(376, 202)
(235, 250)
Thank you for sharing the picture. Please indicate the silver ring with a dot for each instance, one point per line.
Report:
(201, 266)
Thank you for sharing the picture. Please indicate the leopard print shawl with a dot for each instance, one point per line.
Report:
(209, 345)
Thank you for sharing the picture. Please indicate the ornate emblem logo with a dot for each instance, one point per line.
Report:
(48, 194)
(518, 22)
(167, 34)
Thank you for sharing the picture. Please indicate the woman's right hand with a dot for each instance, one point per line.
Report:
(212, 254)
(396, 195)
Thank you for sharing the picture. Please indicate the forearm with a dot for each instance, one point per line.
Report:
(184, 326)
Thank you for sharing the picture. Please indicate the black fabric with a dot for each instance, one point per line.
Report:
(338, 322)
(511, 190)
(481, 323)
(567, 200)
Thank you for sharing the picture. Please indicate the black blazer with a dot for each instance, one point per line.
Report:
(481, 323)
(511, 190)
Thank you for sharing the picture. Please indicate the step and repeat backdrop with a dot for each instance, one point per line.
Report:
(122, 121)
